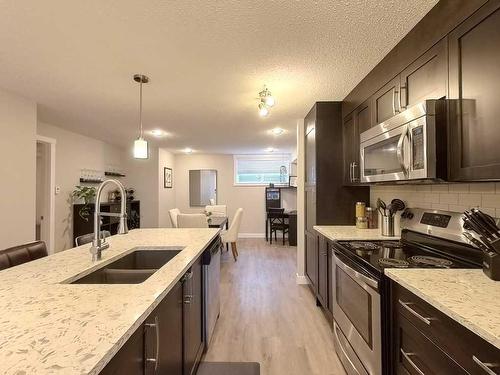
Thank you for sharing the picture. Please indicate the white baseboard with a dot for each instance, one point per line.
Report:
(301, 279)
(251, 235)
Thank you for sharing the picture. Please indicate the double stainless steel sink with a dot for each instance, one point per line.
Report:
(132, 268)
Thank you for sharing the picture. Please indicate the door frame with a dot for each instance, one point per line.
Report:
(51, 143)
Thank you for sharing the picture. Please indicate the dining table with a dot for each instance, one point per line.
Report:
(219, 222)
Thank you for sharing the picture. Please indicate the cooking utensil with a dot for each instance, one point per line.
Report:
(381, 206)
(398, 204)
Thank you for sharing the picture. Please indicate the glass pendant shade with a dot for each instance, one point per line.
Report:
(140, 148)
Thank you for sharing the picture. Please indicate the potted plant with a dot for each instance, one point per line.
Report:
(87, 195)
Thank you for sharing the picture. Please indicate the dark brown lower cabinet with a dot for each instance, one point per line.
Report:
(193, 318)
(319, 270)
(163, 336)
(130, 358)
(170, 341)
(323, 271)
(427, 341)
(311, 258)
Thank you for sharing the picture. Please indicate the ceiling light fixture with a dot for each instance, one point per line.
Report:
(140, 144)
(266, 97)
(266, 102)
(277, 131)
(158, 132)
(263, 110)
(270, 149)
(188, 150)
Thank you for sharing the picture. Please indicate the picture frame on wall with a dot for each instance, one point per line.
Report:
(167, 178)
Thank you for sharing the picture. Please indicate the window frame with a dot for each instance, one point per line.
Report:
(278, 157)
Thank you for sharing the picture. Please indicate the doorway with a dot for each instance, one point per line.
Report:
(45, 190)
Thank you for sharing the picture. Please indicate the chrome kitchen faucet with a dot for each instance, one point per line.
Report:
(99, 242)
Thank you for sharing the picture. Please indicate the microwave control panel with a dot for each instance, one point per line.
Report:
(417, 140)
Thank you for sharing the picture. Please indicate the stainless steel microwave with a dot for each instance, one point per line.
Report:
(409, 146)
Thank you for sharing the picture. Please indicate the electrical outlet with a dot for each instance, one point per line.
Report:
(58, 189)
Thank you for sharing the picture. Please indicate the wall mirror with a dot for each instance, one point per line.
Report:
(202, 187)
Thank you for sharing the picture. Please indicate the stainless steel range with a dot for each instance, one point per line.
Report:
(430, 239)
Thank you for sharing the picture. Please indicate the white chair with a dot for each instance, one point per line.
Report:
(231, 235)
(174, 212)
(192, 221)
(217, 210)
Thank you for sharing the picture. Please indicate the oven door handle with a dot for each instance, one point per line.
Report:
(400, 151)
(341, 346)
(355, 274)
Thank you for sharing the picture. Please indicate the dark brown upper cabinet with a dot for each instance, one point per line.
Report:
(355, 124)
(426, 78)
(474, 71)
(386, 101)
(351, 157)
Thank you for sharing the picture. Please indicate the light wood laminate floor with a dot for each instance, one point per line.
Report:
(267, 318)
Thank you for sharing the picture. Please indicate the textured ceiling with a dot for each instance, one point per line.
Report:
(207, 61)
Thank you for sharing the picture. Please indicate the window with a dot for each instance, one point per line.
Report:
(261, 169)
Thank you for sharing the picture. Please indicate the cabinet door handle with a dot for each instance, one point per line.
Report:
(403, 97)
(424, 319)
(408, 358)
(354, 174)
(156, 359)
(188, 298)
(486, 367)
(395, 106)
(350, 172)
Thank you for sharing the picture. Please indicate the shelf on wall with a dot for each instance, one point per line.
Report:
(114, 174)
(88, 181)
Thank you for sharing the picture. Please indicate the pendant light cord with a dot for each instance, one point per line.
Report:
(140, 110)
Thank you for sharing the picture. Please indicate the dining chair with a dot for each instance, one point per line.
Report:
(192, 221)
(217, 210)
(14, 256)
(88, 238)
(174, 212)
(231, 235)
(277, 223)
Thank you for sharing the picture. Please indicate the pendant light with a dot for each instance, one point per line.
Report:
(140, 144)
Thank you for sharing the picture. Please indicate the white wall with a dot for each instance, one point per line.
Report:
(250, 198)
(17, 169)
(73, 153)
(301, 276)
(166, 199)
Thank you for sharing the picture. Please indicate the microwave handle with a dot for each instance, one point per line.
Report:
(400, 151)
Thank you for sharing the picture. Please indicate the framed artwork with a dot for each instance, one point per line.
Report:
(167, 178)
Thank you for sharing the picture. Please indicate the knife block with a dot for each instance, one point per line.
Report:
(491, 265)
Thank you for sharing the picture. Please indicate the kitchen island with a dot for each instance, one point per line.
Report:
(49, 326)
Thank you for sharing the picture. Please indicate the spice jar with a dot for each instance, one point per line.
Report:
(360, 209)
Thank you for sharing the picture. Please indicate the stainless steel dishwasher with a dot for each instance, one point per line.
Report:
(211, 286)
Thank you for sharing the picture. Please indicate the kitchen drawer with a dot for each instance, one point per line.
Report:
(417, 355)
(461, 344)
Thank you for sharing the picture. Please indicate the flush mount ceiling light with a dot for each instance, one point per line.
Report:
(188, 150)
(266, 102)
(270, 149)
(277, 131)
(158, 133)
(140, 144)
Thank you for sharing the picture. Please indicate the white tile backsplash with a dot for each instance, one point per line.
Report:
(448, 197)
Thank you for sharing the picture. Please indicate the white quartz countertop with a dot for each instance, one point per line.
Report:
(350, 233)
(467, 296)
(51, 327)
